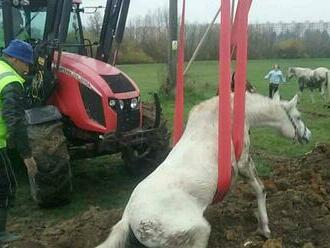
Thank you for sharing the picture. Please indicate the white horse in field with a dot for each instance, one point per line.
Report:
(321, 77)
(166, 209)
(308, 78)
(304, 76)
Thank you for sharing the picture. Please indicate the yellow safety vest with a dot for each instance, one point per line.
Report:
(7, 76)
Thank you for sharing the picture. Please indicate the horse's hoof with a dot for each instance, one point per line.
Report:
(264, 233)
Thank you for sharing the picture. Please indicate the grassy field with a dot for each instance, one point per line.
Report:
(103, 181)
(201, 84)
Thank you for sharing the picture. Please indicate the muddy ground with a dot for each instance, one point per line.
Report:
(298, 203)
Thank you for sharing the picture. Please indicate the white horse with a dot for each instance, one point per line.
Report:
(166, 209)
(321, 77)
(303, 75)
(306, 79)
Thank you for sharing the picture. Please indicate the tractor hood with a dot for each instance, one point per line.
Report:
(85, 87)
(95, 65)
(96, 73)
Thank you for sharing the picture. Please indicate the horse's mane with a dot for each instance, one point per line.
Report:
(262, 107)
(255, 101)
(260, 98)
(204, 108)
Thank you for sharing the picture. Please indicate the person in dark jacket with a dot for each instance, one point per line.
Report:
(13, 66)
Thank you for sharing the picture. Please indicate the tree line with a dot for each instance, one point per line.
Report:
(146, 40)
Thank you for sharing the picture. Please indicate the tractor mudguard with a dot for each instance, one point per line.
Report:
(152, 113)
(42, 114)
(143, 156)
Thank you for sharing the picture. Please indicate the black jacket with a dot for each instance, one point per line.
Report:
(13, 100)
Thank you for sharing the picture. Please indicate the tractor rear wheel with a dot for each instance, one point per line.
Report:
(141, 160)
(52, 185)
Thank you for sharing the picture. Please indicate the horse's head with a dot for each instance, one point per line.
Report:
(291, 73)
(292, 125)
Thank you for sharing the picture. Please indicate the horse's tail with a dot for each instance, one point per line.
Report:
(119, 235)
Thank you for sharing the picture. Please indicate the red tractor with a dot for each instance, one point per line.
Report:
(81, 106)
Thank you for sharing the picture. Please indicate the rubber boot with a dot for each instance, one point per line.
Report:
(5, 237)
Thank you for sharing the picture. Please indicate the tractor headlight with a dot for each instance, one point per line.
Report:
(112, 102)
(135, 103)
(121, 104)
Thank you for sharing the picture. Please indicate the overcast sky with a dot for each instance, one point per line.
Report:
(202, 11)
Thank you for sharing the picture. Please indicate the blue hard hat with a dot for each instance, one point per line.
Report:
(20, 50)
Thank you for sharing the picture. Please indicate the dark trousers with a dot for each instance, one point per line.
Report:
(8, 182)
(272, 89)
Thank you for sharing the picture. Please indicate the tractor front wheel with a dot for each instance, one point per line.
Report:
(52, 185)
(142, 159)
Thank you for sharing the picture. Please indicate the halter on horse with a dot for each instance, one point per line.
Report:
(166, 209)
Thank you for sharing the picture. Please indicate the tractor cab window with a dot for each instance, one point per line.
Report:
(18, 26)
(19, 23)
(37, 25)
(74, 32)
(28, 25)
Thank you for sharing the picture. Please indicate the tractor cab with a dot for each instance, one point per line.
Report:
(36, 21)
(54, 27)
(61, 20)
(63, 56)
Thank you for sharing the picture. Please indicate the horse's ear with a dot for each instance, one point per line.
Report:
(293, 101)
(276, 97)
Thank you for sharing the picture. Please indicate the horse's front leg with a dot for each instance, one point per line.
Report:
(248, 171)
(323, 91)
(312, 96)
(322, 87)
(201, 234)
(301, 85)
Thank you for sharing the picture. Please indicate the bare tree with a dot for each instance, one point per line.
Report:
(95, 24)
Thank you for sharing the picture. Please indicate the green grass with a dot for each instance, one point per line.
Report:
(201, 83)
(104, 182)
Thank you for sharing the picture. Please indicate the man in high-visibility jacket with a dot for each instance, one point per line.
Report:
(13, 66)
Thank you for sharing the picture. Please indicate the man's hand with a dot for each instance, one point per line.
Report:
(31, 166)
